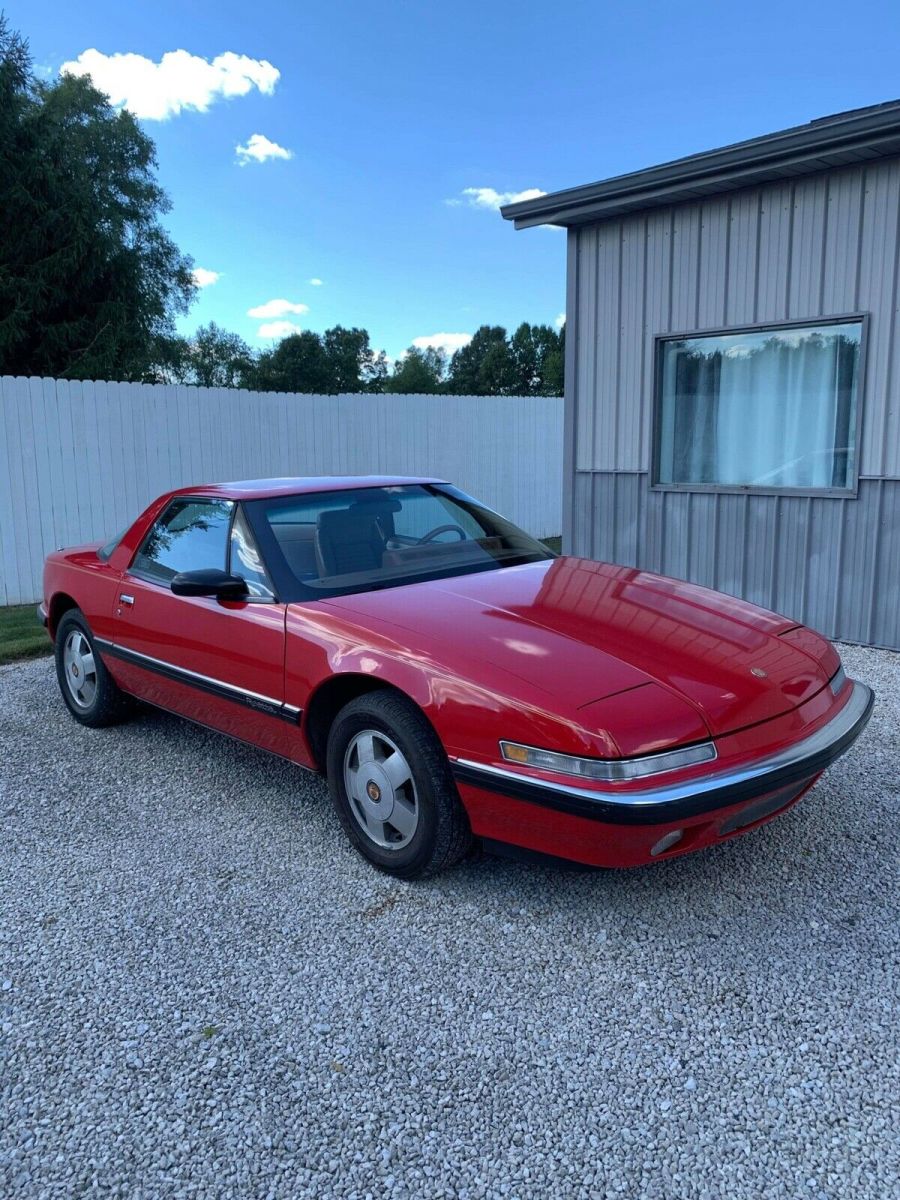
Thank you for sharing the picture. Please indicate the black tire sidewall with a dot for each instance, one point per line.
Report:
(404, 724)
(106, 694)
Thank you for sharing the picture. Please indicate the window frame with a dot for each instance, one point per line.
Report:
(291, 591)
(273, 599)
(145, 576)
(744, 489)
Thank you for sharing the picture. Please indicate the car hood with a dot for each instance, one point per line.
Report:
(585, 631)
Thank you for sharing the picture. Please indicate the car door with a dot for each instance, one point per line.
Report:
(219, 663)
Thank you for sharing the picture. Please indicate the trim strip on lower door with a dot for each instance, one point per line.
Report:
(203, 683)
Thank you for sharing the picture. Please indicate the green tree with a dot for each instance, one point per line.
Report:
(536, 360)
(90, 282)
(484, 367)
(377, 374)
(173, 362)
(216, 357)
(419, 371)
(298, 363)
(555, 367)
(350, 358)
(340, 360)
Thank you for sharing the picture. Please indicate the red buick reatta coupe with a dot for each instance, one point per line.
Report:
(455, 680)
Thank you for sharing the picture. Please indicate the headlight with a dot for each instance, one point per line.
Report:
(837, 681)
(608, 770)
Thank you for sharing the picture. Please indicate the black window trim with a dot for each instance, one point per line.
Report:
(145, 576)
(862, 318)
(292, 591)
(273, 599)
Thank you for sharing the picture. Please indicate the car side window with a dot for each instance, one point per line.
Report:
(246, 561)
(190, 535)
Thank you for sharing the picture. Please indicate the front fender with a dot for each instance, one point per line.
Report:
(471, 705)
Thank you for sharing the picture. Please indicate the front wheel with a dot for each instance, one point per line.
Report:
(391, 785)
(90, 692)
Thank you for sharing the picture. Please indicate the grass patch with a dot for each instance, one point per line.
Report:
(21, 634)
(554, 544)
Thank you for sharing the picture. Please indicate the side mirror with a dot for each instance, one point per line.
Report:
(209, 582)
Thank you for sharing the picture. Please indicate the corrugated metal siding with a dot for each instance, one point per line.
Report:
(813, 247)
(831, 563)
(78, 461)
(820, 246)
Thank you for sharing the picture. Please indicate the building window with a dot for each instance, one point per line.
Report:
(761, 408)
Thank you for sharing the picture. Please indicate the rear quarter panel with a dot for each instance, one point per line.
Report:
(78, 576)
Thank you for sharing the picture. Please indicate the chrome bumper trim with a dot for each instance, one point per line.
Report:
(718, 789)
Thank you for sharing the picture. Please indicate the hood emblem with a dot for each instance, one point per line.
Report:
(759, 673)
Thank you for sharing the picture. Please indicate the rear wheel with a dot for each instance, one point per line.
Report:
(391, 785)
(90, 693)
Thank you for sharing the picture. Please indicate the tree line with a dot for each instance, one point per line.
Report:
(493, 363)
(92, 285)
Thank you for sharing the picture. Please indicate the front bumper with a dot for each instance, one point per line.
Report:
(798, 764)
(42, 615)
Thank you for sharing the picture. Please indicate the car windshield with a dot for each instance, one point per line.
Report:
(335, 543)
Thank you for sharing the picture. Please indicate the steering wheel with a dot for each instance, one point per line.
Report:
(438, 530)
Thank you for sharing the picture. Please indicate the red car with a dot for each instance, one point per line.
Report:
(453, 678)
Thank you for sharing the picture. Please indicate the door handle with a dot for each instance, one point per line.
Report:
(124, 598)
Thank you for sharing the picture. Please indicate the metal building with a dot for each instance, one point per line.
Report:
(733, 370)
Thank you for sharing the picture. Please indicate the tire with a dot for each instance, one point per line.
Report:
(98, 701)
(416, 828)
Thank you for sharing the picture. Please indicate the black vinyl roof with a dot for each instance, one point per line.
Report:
(860, 135)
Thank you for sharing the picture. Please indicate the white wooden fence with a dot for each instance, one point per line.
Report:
(78, 461)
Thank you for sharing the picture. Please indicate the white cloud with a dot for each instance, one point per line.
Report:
(315, 282)
(277, 308)
(156, 91)
(204, 278)
(448, 342)
(259, 148)
(490, 198)
(560, 321)
(277, 329)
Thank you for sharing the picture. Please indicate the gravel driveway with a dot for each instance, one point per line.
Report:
(206, 993)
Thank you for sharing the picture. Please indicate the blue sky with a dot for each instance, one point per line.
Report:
(390, 110)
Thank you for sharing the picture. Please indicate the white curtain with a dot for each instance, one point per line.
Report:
(773, 409)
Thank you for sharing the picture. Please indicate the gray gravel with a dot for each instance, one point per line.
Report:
(206, 993)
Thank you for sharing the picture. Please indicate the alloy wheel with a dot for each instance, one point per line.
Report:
(381, 790)
(80, 669)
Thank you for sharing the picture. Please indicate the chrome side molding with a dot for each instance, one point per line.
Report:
(203, 683)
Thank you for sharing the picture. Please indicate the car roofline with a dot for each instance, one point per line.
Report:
(262, 489)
